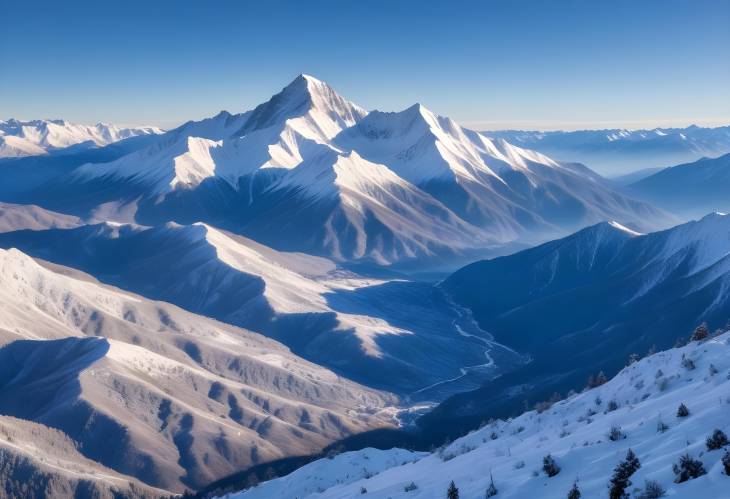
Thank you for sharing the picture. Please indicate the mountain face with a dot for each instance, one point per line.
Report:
(41, 137)
(153, 392)
(586, 302)
(20, 216)
(404, 337)
(574, 432)
(619, 151)
(368, 188)
(690, 189)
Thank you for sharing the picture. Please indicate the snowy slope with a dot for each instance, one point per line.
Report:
(187, 399)
(620, 151)
(37, 137)
(509, 191)
(383, 334)
(23, 216)
(41, 462)
(591, 300)
(573, 431)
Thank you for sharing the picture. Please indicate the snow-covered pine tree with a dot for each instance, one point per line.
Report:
(574, 492)
(453, 492)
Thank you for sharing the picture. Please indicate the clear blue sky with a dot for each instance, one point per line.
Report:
(488, 64)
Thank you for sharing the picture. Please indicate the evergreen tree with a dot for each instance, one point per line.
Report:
(700, 333)
(453, 492)
(574, 492)
(620, 480)
(682, 411)
(688, 469)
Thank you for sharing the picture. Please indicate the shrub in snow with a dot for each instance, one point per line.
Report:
(662, 384)
(718, 440)
(620, 480)
(453, 492)
(598, 380)
(493, 436)
(612, 406)
(688, 469)
(713, 370)
(410, 487)
(549, 466)
(519, 465)
(700, 333)
(688, 364)
(363, 490)
(491, 490)
(652, 490)
(616, 434)
(574, 492)
(726, 462)
(682, 411)
(661, 426)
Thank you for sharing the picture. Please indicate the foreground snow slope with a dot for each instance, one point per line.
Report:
(172, 398)
(38, 137)
(574, 431)
(38, 461)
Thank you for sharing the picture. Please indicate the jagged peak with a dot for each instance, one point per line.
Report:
(303, 95)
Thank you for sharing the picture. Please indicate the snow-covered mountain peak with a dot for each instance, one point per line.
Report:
(305, 96)
(707, 239)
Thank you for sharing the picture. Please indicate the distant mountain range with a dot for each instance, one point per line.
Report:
(690, 190)
(408, 188)
(40, 137)
(619, 151)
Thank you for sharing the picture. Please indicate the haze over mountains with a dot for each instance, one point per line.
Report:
(302, 255)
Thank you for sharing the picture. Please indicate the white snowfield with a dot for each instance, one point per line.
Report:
(39, 137)
(575, 432)
(192, 398)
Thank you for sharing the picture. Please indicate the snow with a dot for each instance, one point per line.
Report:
(37, 137)
(574, 431)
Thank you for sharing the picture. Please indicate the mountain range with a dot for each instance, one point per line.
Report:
(41, 137)
(689, 190)
(259, 289)
(620, 151)
(406, 188)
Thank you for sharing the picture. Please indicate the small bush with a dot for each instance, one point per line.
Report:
(652, 490)
(688, 469)
(612, 406)
(713, 370)
(519, 465)
(682, 411)
(718, 440)
(726, 462)
(688, 364)
(662, 384)
(616, 434)
(700, 333)
(491, 490)
(363, 490)
(549, 466)
(410, 487)
(661, 426)
(620, 480)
